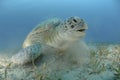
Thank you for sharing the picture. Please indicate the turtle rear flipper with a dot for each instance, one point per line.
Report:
(27, 54)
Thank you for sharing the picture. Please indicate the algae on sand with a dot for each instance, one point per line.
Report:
(104, 65)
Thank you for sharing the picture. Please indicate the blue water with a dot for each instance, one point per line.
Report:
(18, 18)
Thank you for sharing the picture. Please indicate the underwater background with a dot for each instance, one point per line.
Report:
(19, 17)
(98, 60)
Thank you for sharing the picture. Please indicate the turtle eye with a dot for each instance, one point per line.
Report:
(75, 20)
(72, 26)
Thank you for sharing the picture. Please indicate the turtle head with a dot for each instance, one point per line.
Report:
(74, 28)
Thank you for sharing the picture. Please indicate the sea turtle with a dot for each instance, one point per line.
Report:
(54, 33)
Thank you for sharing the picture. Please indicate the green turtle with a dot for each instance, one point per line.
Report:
(54, 33)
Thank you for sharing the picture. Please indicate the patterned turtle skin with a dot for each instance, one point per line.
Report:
(54, 33)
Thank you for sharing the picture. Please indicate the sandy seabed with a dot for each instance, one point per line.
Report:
(104, 64)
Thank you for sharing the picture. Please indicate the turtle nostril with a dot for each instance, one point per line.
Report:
(81, 23)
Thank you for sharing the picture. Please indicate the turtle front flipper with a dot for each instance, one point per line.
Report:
(27, 54)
